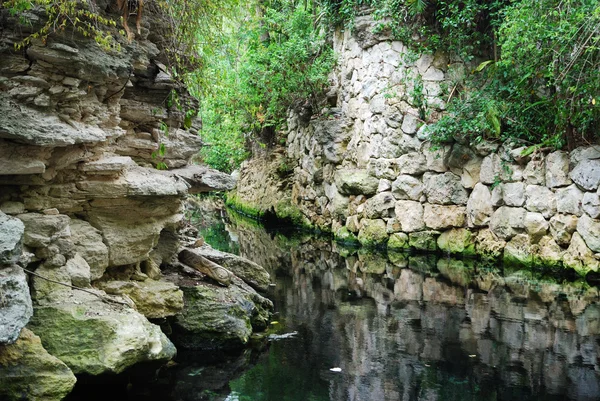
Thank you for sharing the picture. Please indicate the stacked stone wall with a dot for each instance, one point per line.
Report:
(367, 170)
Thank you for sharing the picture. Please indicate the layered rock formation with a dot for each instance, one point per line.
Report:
(84, 210)
(367, 171)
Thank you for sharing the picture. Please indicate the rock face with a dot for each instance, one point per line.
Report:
(219, 317)
(376, 140)
(86, 207)
(95, 337)
(29, 372)
(15, 308)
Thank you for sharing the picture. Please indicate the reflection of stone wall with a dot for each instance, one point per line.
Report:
(419, 327)
(366, 170)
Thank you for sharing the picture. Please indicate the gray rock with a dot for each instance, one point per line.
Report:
(79, 271)
(591, 204)
(409, 124)
(41, 229)
(12, 207)
(251, 273)
(584, 153)
(379, 205)
(479, 206)
(513, 194)
(435, 156)
(540, 199)
(11, 234)
(536, 226)
(439, 217)
(384, 185)
(587, 174)
(410, 215)
(204, 179)
(88, 243)
(557, 169)
(445, 189)
(579, 257)
(506, 221)
(413, 163)
(535, 172)
(589, 229)
(28, 125)
(356, 182)
(491, 169)
(470, 172)
(569, 200)
(15, 303)
(518, 251)
(562, 227)
(407, 187)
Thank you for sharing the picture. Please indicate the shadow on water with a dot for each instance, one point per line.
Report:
(355, 325)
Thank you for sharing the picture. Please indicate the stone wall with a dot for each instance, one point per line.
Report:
(366, 170)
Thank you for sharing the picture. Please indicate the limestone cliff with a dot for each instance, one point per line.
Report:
(82, 203)
(365, 169)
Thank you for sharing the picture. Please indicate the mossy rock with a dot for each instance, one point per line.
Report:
(286, 210)
(90, 336)
(397, 241)
(457, 241)
(217, 317)
(371, 263)
(29, 372)
(423, 240)
(346, 237)
(372, 233)
(518, 251)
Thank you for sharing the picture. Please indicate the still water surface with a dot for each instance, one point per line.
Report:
(368, 326)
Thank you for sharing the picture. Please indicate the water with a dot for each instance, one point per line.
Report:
(368, 326)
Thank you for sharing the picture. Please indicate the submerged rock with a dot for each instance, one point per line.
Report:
(219, 317)
(29, 372)
(95, 337)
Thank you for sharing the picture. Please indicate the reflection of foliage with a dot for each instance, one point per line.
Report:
(285, 374)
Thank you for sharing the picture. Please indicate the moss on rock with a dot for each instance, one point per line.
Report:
(457, 241)
(372, 233)
(29, 372)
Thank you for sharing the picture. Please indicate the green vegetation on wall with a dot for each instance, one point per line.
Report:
(274, 57)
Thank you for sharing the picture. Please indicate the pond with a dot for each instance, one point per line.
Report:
(374, 326)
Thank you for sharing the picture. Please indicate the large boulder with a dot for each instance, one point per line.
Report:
(407, 187)
(218, 317)
(93, 336)
(11, 233)
(251, 273)
(356, 182)
(15, 303)
(29, 372)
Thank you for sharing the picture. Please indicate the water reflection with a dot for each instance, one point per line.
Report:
(408, 327)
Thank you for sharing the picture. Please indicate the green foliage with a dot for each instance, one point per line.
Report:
(80, 16)
(545, 86)
(264, 65)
